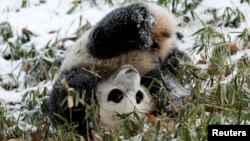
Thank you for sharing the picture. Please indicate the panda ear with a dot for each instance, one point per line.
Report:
(115, 95)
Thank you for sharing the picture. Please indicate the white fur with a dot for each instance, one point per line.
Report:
(165, 22)
(77, 53)
(162, 14)
(129, 83)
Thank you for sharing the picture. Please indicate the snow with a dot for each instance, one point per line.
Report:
(10, 96)
(203, 16)
(41, 18)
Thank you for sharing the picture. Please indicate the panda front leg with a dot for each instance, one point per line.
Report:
(83, 83)
(169, 69)
(165, 89)
(163, 81)
(171, 63)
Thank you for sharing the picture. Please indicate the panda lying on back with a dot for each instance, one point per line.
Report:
(140, 35)
(120, 94)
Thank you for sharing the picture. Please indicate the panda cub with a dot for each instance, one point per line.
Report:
(121, 94)
(140, 34)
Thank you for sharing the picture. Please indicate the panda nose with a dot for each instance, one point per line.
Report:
(130, 71)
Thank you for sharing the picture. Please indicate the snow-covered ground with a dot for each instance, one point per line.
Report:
(42, 19)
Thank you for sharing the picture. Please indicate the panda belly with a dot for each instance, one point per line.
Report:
(143, 60)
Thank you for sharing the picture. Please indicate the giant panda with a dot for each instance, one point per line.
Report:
(141, 35)
(122, 93)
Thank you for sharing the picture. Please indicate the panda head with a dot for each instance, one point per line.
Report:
(122, 93)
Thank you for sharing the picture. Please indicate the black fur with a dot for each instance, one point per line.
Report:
(162, 81)
(154, 80)
(124, 29)
(85, 84)
(172, 61)
(139, 97)
(116, 96)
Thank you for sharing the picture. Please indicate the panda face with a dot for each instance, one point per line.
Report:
(122, 94)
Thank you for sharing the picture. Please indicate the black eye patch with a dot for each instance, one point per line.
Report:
(115, 95)
(139, 97)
